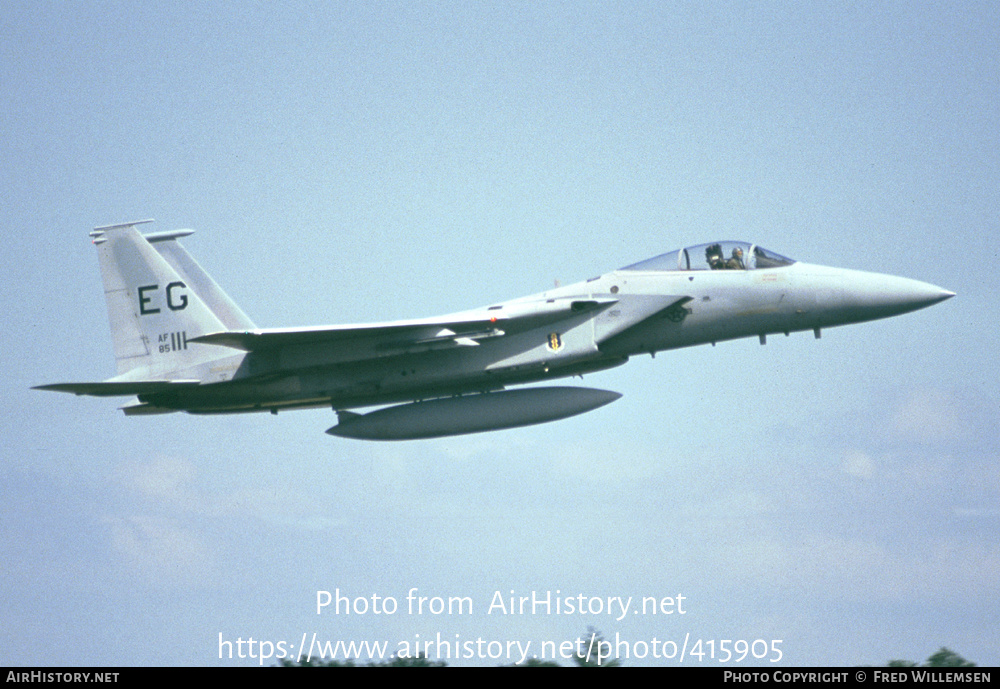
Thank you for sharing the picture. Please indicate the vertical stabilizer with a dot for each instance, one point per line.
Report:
(217, 301)
(152, 310)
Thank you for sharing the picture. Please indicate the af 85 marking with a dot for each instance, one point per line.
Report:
(172, 342)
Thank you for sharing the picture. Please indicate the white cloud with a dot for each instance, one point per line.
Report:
(858, 463)
(161, 549)
(163, 478)
(929, 415)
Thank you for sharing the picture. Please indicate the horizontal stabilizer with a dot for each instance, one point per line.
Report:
(113, 389)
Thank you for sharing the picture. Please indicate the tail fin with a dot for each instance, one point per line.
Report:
(217, 301)
(154, 309)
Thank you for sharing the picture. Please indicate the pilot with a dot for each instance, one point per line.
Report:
(736, 260)
(713, 254)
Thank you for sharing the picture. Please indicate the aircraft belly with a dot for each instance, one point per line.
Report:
(492, 366)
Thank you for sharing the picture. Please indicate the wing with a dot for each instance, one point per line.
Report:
(375, 340)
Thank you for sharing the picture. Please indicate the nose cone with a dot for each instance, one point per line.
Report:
(867, 296)
(836, 296)
(900, 295)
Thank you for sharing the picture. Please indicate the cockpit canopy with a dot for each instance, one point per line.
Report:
(715, 256)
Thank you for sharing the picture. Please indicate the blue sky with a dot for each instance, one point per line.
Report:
(358, 162)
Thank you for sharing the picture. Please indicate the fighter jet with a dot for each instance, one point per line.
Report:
(181, 344)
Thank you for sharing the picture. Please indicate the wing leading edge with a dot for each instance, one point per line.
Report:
(384, 339)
